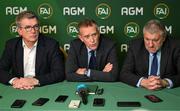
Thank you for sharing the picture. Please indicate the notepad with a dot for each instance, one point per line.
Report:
(74, 104)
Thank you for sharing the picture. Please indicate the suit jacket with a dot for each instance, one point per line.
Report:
(49, 66)
(136, 63)
(78, 58)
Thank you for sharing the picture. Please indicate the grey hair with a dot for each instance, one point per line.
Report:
(86, 23)
(25, 14)
(155, 26)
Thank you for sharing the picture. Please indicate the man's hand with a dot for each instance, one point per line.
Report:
(81, 71)
(152, 83)
(25, 83)
(16, 83)
(108, 67)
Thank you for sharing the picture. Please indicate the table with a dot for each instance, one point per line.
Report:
(113, 92)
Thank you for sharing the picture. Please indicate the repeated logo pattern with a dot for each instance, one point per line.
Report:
(119, 20)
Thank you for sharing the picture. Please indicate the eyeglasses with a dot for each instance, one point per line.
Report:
(29, 28)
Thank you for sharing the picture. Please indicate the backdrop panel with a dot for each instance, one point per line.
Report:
(121, 20)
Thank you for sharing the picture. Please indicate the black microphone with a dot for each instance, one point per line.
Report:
(83, 92)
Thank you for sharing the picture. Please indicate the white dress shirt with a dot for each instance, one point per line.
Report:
(29, 60)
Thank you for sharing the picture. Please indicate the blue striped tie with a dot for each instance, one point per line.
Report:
(154, 65)
(92, 61)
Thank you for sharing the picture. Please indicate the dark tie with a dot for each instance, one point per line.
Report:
(154, 65)
(92, 61)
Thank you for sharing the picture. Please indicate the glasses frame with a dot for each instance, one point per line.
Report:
(29, 28)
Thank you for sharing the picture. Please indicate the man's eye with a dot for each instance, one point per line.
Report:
(94, 34)
(87, 36)
(155, 40)
(36, 26)
(28, 27)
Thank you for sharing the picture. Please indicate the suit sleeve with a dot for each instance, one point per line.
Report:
(5, 65)
(99, 75)
(55, 63)
(176, 79)
(95, 75)
(174, 75)
(127, 74)
(72, 66)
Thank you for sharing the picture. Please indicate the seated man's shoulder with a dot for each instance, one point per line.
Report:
(76, 43)
(13, 40)
(107, 40)
(137, 41)
(174, 40)
(47, 40)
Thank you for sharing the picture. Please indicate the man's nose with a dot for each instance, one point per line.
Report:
(92, 39)
(150, 43)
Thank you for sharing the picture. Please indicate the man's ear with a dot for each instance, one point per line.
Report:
(80, 37)
(19, 31)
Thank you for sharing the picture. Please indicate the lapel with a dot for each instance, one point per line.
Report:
(145, 58)
(39, 54)
(19, 58)
(83, 56)
(99, 53)
(99, 56)
(164, 57)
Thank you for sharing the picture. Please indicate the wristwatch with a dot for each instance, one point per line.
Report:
(85, 72)
(165, 83)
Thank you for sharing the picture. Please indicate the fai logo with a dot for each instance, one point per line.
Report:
(161, 11)
(72, 29)
(103, 11)
(13, 29)
(45, 10)
(131, 29)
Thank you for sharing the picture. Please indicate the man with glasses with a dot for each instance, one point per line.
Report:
(152, 62)
(31, 59)
(91, 57)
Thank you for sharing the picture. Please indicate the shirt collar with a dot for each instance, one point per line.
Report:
(88, 49)
(24, 44)
(159, 51)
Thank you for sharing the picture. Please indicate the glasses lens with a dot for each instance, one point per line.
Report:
(36, 27)
(28, 28)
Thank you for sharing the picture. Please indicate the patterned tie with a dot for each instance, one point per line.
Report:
(92, 61)
(154, 65)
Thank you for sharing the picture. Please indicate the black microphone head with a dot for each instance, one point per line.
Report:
(83, 92)
(82, 87)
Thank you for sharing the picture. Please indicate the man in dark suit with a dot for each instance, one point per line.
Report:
(154, 61)
(91, 57)
(31, 59)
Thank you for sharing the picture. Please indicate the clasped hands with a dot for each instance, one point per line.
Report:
(25, 83)
(107, 68)
(153, 83)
